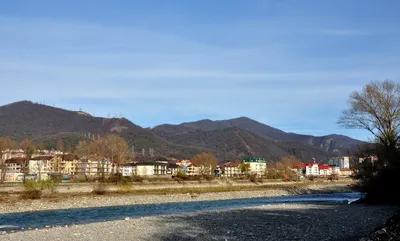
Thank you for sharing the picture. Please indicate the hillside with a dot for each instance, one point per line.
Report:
(335, 144)
(241, 137)
(233, 142)
(46, 124)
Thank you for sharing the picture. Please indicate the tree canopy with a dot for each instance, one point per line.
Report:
(376, 109)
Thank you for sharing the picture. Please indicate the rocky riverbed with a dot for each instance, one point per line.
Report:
(87, 201)
(271, 222)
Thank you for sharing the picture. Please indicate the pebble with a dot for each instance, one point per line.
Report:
(120, 200)
(344, 222)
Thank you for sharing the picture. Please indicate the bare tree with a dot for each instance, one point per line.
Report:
(376, 109)
(83, 150)
(60, 145)
(118, 150)
(41, 147)
(206, 163)
(29, 149)
(5, 143)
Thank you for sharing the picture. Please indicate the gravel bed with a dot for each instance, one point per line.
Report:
(271, 222)
(129, 199)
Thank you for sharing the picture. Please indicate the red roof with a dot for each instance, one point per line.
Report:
(324, 167)
(303, 165)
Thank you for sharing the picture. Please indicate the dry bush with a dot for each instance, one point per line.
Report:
(124, 187)
(100, 188)
(37, 190)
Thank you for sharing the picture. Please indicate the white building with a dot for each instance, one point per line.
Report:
(312, 169)
(257, 165)
(231, 169)
(39, 167)
(325, 170)
(341, 162)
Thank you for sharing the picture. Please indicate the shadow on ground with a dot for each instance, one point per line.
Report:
(306, 222)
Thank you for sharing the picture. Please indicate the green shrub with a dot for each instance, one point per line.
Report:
(37, 190)
(100, 188)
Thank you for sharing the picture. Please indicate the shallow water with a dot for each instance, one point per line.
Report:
(41, 219)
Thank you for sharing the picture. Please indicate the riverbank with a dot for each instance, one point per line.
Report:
(13, 204)
(271, 222)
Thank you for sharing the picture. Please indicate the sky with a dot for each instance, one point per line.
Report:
(290, 64)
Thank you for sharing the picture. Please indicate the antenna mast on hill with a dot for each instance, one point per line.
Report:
(133, 149)
(143, 151)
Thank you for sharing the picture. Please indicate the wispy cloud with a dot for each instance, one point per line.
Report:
(146, 74)
(343, 32)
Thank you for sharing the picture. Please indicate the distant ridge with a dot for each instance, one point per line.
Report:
(334, 144)
(228, 139)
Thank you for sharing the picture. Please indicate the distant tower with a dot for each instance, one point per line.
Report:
(143, 151)
(133, 149)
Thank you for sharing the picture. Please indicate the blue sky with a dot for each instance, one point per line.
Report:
(290, 64)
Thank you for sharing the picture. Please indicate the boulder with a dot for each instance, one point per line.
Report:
(389, 231)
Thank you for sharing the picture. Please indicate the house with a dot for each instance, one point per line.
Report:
(257, 165)
(160, 168)
(91, 167)
(191, 170)
(15, 168)
(307, 169)
(231, 169)
(8, 154)
(149, 168)
(127, 169)
(325, 170)
(40, 165)
(346, 172)
(65, 164)
(172, 169)
(188, 167)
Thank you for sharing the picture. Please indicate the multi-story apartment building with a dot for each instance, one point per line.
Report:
(257, 165)
(157, 168)
(342, 162)
(231, 169)
(40, 165)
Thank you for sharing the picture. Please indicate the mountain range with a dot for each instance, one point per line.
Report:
(228, 139)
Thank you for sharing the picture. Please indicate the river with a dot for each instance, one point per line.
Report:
(42, 219)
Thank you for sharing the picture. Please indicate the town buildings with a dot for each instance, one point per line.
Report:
(337, 166)
(45, 164)
(341, 162)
